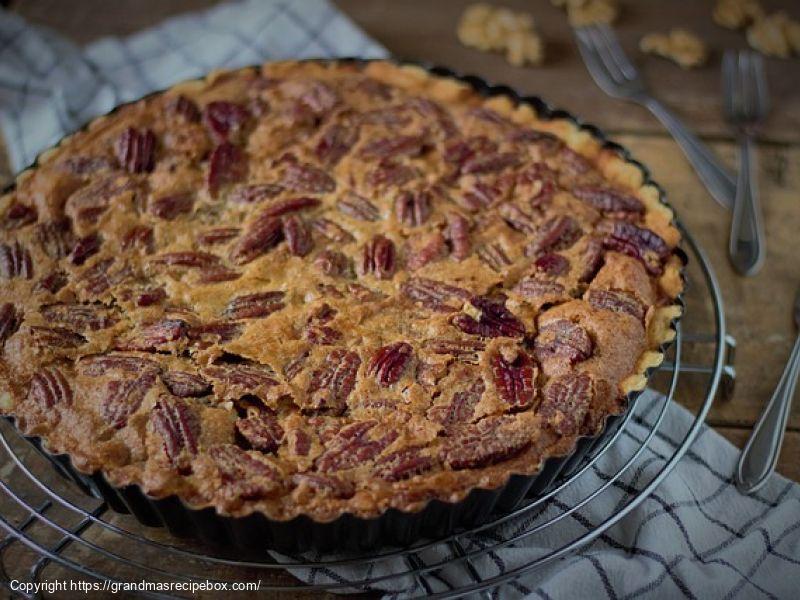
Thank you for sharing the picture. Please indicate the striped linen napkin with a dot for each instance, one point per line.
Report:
(694, 537)
(50, 87)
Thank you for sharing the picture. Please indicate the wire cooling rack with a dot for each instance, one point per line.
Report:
(55, 532)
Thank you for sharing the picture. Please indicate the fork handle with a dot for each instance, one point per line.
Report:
(747, 246)
(760, 454)
(717, 180)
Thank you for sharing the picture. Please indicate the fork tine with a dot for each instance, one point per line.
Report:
(602, 50)
(617, 53)
(729, 87)
(762, 91)
(593, 63)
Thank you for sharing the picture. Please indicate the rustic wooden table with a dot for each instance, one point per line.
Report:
(758, 308)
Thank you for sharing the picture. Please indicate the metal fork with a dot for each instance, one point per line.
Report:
(618, 77)
(746, 105)
(760, 455)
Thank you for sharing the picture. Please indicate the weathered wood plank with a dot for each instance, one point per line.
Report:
(758, 308)
(564, 81)
(788, 466)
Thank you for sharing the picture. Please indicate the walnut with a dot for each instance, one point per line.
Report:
(775, 35)
(679, 45)
(591, 12)
(735, 14)
(489, 28)
(522, 48)
(472, 30)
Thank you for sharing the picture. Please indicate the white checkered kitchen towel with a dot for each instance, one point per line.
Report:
(49, 87)
(695, 537)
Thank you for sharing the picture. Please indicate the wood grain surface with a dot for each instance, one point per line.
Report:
(758, 308)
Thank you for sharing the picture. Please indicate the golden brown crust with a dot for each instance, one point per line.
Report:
(340, 288)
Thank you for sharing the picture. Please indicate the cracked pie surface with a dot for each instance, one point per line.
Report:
(323, 288)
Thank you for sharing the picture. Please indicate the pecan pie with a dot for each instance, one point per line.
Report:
(321, 288)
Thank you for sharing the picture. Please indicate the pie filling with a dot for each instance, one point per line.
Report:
(317, 288)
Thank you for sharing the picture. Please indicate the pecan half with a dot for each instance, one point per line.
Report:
(565, 402)
(99, 364)
(457, 234)
(331, 230)
(390, 174)
(403, 464)
(55, 238)
(552, 264)
(557, 233)
(254, 306)
(232, 381)
(243, 476)
(378, 258)
(185, 108)
(434, 295)
(262, 431)
(10, 320)
(391, 147)
(356, 206)
(170, 207)
(18, 215)
(220, 235)
(332, 383)
(49, 388)
(563, 339)
(226, 165)
(135, 150)
(488, 442)
(389, 362)
(123, 397)
(56, 337)
(621, 302)
(607, 200)
(84, 248)
(260, 237)
(80, 316)
(185, 385)
(155, 336)
(638, 242)
(225, 119)
(15, 261)
(306, 178)
(290, 205)
(494, 319)
(335, 142)
(333, 263)
(352, 446)
(250, 194)
(413, 208)
(53, 282)
(541, 290)
(514, 380)
(326, 484)
(179, 427)
(494, 256)
(298, 236)
(461, 408)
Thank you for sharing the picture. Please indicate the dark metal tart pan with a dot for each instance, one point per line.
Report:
(437, 519)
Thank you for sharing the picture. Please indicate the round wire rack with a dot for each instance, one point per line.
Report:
(54, 532)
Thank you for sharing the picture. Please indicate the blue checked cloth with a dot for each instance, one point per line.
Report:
(694, 537)
(50, 87)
